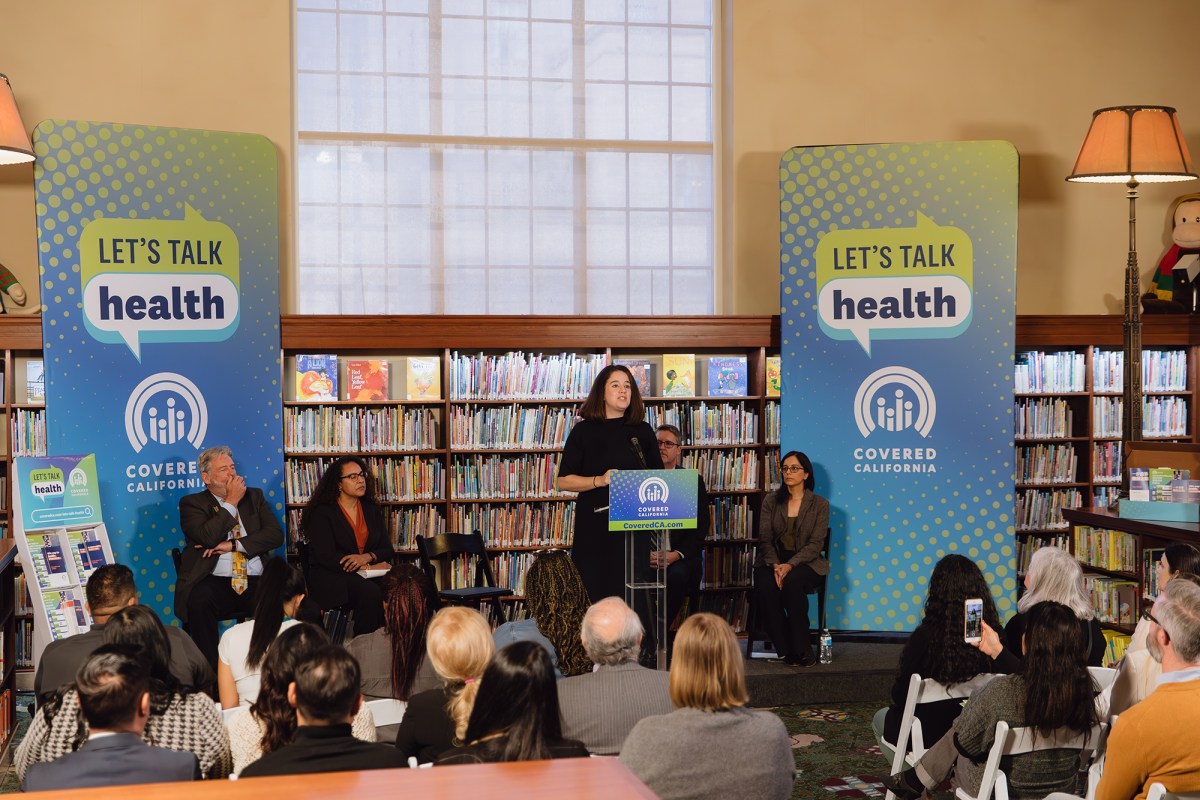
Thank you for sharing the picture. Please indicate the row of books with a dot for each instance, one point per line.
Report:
(408, 522)
(727, 376)
(701, 423)
(1041, 463)
(500, 477)
(733, 607)
(396, 478)
(1106, 496)
(1039, 509)
(732, 518)
(1111, 550)
(1116, 645)
(367, 381)
(510, 427)
(1161, 416)
(509, 570)
(1039, 372)
(771, 422)
(1026, 547)
(24, 603)
(7, 718)
(1114, 599)
(1042, 418)
(28, 429)
(517, 525)
(726, 567)
(1162, 370)
(23, 652)
(359, 429)
(1106, 461)
(520, 375)
(1150, 559)
(725, 470)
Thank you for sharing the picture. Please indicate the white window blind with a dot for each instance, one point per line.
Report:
(505, 156)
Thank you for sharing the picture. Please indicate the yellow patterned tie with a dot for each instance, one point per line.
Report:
(239, 579)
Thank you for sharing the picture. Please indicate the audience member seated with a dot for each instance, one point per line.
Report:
(346, 534)
(459, 645)
(1055, 691)
(1054, 575)
(712, 747)
(179, 719)
(1139, 671)
(601, 707)
(270, 722)
(326, 697)
(226, 529)
(392, 658)
(556, 599)
(114, 693)
(108, 590)
(515, 717)
(244, 646)
(936, 650)
(1155, 740)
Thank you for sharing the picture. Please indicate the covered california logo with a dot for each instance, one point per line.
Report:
(159, 280)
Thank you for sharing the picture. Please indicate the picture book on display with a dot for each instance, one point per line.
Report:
(316, 377)
(424, 379)
(679, 375)
(774, 375)
(639, 368)
(367, 381)
(727, 376)
(35, 381)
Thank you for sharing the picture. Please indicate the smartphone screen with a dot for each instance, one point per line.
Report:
(973, 619)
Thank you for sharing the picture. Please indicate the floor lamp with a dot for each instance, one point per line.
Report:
(1132, 145)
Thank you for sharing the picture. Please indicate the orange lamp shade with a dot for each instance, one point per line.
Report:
(14, 141)
(1133, 143)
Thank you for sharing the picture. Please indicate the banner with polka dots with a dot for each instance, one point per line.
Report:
(897, 289)
(159, 262)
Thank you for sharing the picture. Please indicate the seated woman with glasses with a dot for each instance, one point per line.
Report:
(792, 529)
(346, 534)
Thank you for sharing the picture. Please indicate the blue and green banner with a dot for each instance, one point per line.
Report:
(159, 257)
(652, 499)
(898, 273)
(57, 491)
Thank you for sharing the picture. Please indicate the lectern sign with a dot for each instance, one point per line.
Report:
(652, 499)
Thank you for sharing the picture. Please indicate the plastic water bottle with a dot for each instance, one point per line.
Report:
(826, 647)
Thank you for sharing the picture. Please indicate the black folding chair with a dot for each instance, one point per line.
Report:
(447, 547)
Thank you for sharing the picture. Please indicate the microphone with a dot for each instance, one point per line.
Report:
(637, 449)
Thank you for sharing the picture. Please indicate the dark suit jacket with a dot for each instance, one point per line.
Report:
(326, 748)
(690, 541)
(206, 524)
(600, 708)
(62, 659)
(330, 538)
(813, 529)
(118, 760)
(427, 730)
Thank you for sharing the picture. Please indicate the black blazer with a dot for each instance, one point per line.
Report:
(118, 760)
(206, 524)
(330, 538)
(813, 530)
(690, 541)
(325, 748)
(427, 730)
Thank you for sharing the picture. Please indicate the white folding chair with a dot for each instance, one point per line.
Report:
(1103, 676)
(1015, 741)
(1159, 792)
(387, 711)
(910, 744)
(227, 713)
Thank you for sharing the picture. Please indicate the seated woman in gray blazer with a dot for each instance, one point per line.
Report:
(792, 530)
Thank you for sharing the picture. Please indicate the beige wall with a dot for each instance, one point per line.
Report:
(801, 72)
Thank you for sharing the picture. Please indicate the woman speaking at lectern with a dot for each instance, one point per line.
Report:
(611, 435)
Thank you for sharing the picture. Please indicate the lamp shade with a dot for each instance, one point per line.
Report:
(14, 142)
(1133, 143)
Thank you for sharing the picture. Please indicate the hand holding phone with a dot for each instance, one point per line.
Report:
(973, 619)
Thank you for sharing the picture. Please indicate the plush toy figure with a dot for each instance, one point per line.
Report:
(9, 285)
(1175, 286)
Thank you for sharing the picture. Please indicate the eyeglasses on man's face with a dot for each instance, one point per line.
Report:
(667, 444)
(790, 468)
(1146, 615)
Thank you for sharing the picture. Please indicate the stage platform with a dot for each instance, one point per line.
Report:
(862, 670)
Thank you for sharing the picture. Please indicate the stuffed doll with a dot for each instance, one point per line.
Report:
(1175, 286)
(9, 285)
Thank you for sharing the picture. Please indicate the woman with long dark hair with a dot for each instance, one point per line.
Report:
(244, 646)
(179, 718)
(557, 600)
(515, 716)
(270, 722)
(346, 534)
(611, 435)
(1054, 691)
(792, 529)
(936, 649)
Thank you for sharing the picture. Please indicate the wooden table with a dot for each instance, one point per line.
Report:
(576, 778)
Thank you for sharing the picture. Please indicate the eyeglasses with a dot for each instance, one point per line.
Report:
(668, 445)
(353, 476)
(1148, 616)
(791, 469)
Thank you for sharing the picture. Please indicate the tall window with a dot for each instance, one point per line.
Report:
(505, 156)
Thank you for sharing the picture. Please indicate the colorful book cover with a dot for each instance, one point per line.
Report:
(727, 376)
(1139, 484)
(424, 379)
(639, 368)
(88, 551)
(774, 373)
(679, 375)
(316, 377)
(35, 381)
(367, 381)
(48, 561)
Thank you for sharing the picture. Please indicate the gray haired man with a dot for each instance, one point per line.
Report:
(599, 709)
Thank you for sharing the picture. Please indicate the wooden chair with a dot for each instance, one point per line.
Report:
(447, 547)
(910, 743)
(1015, 741)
